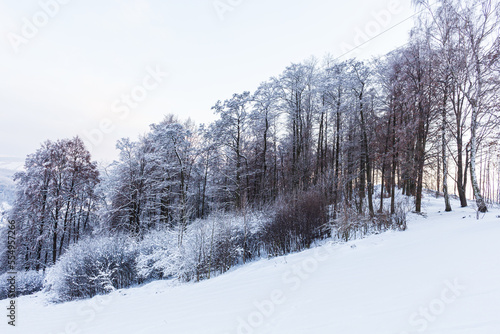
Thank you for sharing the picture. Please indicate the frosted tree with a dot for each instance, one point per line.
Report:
(467, 35)
(56, 200)
(264, 126)
(360, 75)
(127, 189)
(150, 183)
(479, 24)
(230, 130)
(172, 158)
(298, 99)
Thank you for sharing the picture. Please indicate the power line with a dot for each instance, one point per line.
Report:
(383, 32)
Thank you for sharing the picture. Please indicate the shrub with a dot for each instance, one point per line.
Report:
(159, 256)
(296, 224)
(27, 282)
(349, 224)
(209, 246)
(92, 267)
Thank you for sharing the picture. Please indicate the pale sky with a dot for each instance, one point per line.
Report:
(73, 72)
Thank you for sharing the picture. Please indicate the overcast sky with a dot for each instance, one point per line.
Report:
(98, 68)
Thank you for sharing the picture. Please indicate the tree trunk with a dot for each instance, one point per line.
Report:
(460, 172)
(481, 205)
(444, 157)
(475, 104)
(366, 160)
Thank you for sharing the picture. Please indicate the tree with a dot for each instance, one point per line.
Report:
(298, 100)
(56, 201)
(479, 23)
(150, 184)
(264, 126)
(467, 37)
(172, 159)
(230, 130)
(360, 74)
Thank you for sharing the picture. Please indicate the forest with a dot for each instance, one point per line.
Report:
(329, 149)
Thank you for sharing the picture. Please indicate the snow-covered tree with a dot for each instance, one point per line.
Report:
(56, 201)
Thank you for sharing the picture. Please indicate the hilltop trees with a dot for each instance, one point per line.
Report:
(230, 132)
(150, 185)
(56, 201)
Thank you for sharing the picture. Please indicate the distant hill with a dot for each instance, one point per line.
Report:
(8, 167)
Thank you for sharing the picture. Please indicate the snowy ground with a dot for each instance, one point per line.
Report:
(440, 276)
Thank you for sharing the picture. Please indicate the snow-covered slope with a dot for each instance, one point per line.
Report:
(8, 167)
(440, 276)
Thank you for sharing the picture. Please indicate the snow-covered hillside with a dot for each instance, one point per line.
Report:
(440, 276)
(8, 167)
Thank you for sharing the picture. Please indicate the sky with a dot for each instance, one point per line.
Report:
(104, 70)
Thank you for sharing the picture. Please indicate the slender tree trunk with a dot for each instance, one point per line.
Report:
(381, 208)
(438, 175)
(337, 158)
(264, 163)
(460, 174)
(54, 237)
(203, 195)
(420, 157)
(481, 205)
(393, 172)
(366, 161)
(444, 155)
(41, 226)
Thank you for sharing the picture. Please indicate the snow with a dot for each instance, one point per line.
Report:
(8, 167)
(442, 275)
(12, 164)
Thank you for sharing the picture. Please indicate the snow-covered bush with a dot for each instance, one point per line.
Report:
(92, 267)
(27, 282)
(3, 249)
(205, 248)
(226, 248)
(209, 246)
(159, 256)
(224, 240)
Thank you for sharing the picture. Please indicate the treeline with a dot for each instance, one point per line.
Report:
(303, 152)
